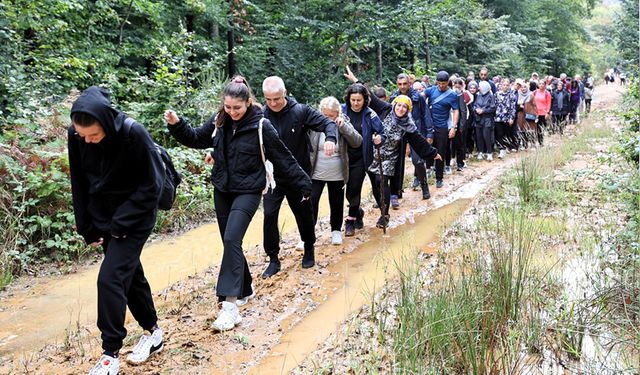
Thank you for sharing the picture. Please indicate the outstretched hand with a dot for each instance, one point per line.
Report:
(350, 76)
(171, 117)
(437, 157)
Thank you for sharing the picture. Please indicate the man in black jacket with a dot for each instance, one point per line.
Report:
(116, 178)
(292, 120)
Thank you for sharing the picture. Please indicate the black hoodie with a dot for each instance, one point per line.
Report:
(292, 124)
(238, 166)
(116, 183)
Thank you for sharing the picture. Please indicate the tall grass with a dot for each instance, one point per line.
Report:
(472, 320)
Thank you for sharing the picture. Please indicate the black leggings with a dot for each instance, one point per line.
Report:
(234, 213)
(121, 283)
(353, 189)
(336, 201)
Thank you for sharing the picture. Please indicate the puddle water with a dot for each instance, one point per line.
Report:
(40, 315)
(359, 275)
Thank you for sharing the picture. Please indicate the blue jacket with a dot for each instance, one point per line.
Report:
(370, 124)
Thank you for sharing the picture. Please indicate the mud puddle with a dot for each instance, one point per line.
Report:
(42, 311)
(357, 277)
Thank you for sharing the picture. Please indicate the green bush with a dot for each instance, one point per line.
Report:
(629, 145)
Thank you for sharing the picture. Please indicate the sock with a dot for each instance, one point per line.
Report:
(231, 299)
(110, 353)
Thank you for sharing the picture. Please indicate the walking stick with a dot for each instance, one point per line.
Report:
(382, 202)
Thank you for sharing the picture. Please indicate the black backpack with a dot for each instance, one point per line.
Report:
(172, 178)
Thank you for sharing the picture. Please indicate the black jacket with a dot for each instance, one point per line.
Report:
(238, 166)
(292, 123)
(116, 183)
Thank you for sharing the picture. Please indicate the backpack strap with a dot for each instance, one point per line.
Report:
(441, 97)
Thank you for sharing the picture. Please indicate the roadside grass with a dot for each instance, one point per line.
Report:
(497, 304)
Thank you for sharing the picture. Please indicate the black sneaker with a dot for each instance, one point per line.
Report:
(359, 224)
(439, 184)
(425, 191)
(349, 228)
(383, 221)
(460, 167)
(416, 184)
(272, 268)
(308, 259)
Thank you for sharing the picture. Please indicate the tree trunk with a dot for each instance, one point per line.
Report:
(427, 58)
(231, 55)
(214, 31)
(124, 21)
(379, 61)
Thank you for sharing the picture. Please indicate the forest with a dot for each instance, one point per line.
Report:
(520, 264)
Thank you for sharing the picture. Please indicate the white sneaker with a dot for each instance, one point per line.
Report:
(336, 237)
(148, 345)
(480, 156)
(243, 301)
(489, 157)
(502, 154)
(107, 365)
(228, 317)
(300, 246)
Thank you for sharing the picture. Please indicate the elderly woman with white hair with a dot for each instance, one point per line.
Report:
(332, 170)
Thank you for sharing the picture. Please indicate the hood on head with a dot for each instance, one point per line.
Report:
(96, 102)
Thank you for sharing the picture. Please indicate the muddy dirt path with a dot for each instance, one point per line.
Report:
(292, 313)
(42, 308)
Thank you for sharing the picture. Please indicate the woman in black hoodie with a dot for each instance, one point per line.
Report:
(239, 178)
(116, 180)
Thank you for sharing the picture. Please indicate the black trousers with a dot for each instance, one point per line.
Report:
(336, 201)
(440, 142)
(458, 147)
(420, 170)
(470, 137)
(504, 136)
(353, 190)
(375, 188)
(587, 104)
(397, 180)
(234, 212)
(121, 283)
(541, 126)
(302, 211)
(559, 122)
(484, 138)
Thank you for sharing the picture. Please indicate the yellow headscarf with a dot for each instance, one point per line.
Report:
(405, 100)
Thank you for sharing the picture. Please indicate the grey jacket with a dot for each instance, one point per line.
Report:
(348, 137)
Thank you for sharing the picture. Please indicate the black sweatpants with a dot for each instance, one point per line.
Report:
(121, 283)
(302, 211)
(375, 188)
(353, 190)
(234, 212)
(336, 201)
(440, 142)
(420, 170)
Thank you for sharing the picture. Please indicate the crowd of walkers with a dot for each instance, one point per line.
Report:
(286, 149)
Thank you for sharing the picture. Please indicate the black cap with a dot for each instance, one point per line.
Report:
(442, 76)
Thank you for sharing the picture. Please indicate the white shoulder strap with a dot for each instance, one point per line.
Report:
(260, 138)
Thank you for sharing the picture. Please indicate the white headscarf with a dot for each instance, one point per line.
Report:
(484, 87)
